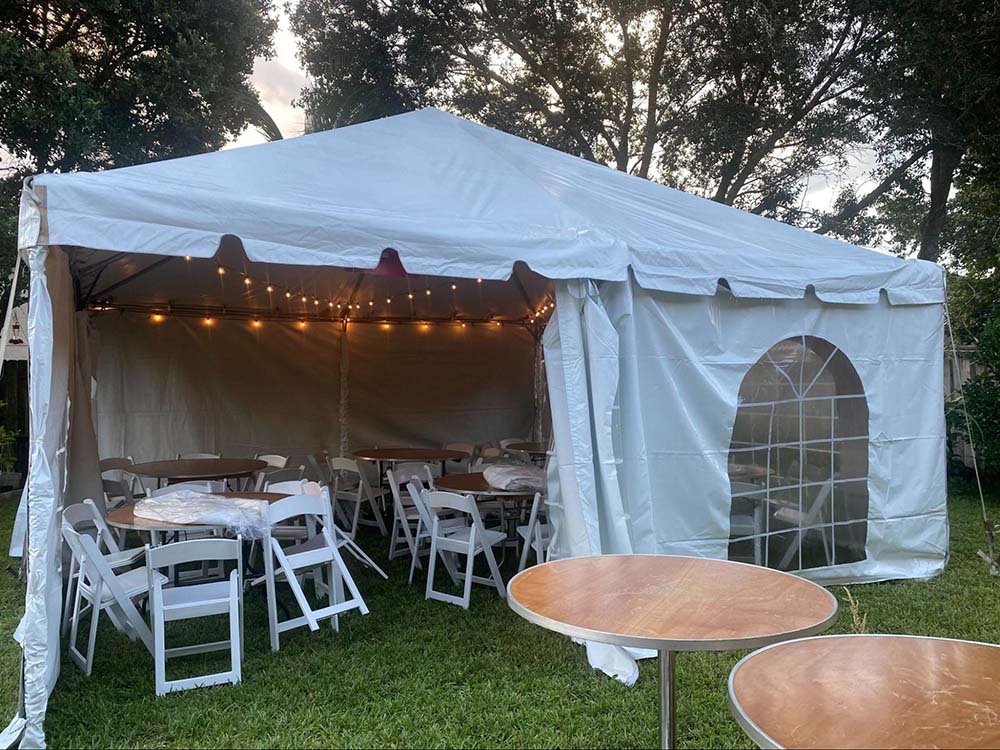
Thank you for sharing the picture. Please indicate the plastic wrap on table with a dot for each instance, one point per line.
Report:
(237, 515)
(515, 477)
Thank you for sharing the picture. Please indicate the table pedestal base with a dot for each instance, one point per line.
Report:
(668, 737)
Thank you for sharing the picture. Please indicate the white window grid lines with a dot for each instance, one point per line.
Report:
(802, 397)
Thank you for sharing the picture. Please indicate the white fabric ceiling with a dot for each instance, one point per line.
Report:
(454, 199)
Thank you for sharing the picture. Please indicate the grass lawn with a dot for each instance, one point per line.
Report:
(419, 673)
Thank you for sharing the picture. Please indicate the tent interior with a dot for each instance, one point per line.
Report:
(224, 355)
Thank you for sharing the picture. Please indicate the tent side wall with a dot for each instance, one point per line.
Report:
(681, 362)
(183, 386)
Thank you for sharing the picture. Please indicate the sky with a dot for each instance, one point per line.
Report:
(279, 81)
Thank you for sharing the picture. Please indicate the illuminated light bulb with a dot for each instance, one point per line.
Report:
(371, 303)
(463, 325)
(304, 298)
(454, 287)
(428, 292)
(424, 326)
(410, 295)
(339, 305)
(329, 304)
(499, 324)
(315, 301)
(256, 324)
(221, 271)
(246, 280)
(270, 288)
(479, 281)
(388, 300)
(187, 257)
(347, 319)
(156, 318)
(209, 321)
(385, 326)
(288, 295)
(302, 324)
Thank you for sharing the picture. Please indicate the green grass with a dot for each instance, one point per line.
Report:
(419, 673)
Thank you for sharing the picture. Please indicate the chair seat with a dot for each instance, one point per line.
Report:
(125, 557)
(544, 528)
(741, 525)
(197, 593)
(133, 582)
(490, 536)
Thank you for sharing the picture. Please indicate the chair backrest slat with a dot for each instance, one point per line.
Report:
(194, 550)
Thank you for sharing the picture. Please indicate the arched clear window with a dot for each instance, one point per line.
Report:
(798, 459)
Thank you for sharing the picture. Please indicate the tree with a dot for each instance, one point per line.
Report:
(739, 100)
(98, 84)
(935, 93)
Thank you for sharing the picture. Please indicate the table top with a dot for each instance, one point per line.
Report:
(670, 603)
(125, 518)
(409, 454)
(473, 483)
(190, 469)
(878, 691)
(529, 447)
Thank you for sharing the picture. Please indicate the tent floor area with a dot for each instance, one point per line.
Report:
(426, 674)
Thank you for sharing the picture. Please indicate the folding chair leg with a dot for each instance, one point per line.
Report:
(272, 599)
(494, 571)
(469, 566)
(71, 585)
(235, 637)
(95, 617)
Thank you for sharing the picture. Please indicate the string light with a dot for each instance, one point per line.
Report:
(288, 295)
(371, 303)
(410, 295)
(270, 288)
(330, 303)
(386, 326)
(246, 280)
(156, 318)
(256, 323)
(479, 281)
(304, 298)
(221, 271)
(316, 302)
(427, 292)
(209, 322)
(388, 300)
(302, 324)
(187, 258)
(454, 287)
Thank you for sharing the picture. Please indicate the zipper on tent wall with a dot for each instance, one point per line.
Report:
(990, 528)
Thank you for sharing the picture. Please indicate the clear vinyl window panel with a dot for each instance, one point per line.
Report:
(798, 459)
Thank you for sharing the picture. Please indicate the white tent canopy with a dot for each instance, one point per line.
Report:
(720, 383)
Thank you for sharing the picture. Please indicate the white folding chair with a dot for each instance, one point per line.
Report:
(535, 536)
(747, 516)
(273, 476)
(405, 519)
(82, 518)
(319, 467)
(190, 601)
(100, 589)
(470, 540)
(459, 465)
(313, 555)
(273, 460)
(120, 485)
(350, 486)
(422, 532)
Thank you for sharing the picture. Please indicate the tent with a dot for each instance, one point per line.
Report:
(700, 363)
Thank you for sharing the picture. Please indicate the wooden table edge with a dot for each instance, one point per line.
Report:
(754, 731)
(681, 645)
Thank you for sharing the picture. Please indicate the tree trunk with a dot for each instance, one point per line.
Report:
(945, 159)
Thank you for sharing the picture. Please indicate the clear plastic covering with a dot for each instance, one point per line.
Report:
(237, 515)
(799, 459)
(515, 477)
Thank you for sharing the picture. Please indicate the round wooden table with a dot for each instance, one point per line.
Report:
(125, 518)
(670, 604)
(877, 691)
(194, 469)
(409, 454)
(473, 483)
